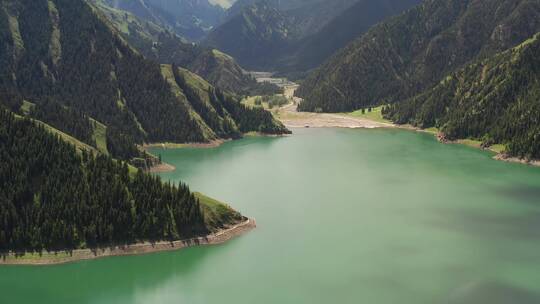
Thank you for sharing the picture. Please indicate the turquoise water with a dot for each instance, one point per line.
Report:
(344, 216)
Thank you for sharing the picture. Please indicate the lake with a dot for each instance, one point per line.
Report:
(344, 216)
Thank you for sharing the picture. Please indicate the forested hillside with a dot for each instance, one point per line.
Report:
(402, 56)
(158, 44)
(102, 204)
(64, 52)
(311, 51)
(215, 112)
(496, 100)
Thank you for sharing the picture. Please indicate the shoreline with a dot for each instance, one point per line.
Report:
(56, 258)
(505, 158)
(212, 144)
(161, 168)
(167, 145)
(298, 120)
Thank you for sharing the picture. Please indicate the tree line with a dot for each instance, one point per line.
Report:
(54, 197)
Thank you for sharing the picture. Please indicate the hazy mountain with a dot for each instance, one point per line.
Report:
(297, 35)
(191, 19)
(255, 36)
(405, 55)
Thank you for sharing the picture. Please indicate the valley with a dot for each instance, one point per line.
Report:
(270, 151)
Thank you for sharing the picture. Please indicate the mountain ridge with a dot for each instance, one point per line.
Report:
(128, 93)
(495, 100)
(411, 52)
(164, 47)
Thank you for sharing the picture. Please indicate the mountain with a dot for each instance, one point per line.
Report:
(190, 19)
(62, 56)
(297, 35)
(221, 70)
(160, 45)
(218, 114)
(405, 55)
(255, 36)
(496, 100)
(307, 16)
(313, 50)
(55, 197)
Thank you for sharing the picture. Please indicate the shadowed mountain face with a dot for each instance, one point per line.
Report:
(296, 35)
(309, 16)
(336, 34)
(255, 36)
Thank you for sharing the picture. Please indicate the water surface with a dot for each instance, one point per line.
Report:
(344, 216)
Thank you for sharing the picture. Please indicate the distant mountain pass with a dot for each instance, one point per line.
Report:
(296, 35)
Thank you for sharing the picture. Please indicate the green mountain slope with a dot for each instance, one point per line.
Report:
(496, 100)
(218, 113)
(65, 52)
(102, 204)
(412, 52)
(160, 45)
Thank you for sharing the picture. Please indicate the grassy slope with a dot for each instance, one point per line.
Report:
(374, 115)
(100, 132)
(100, 136)
(167, 72)
(217, 215)
(68, 138)
(26, 107)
